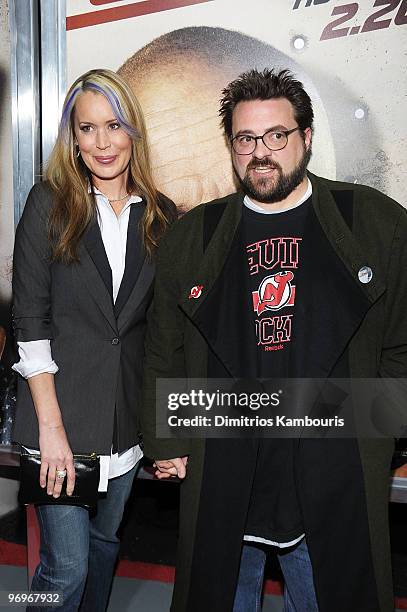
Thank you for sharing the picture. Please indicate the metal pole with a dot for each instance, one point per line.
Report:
(25, 95)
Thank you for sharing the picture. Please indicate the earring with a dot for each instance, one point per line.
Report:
(78, 151)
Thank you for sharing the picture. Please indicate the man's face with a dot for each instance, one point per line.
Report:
(270, 176)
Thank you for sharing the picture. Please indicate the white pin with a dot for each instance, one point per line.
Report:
(365, 274)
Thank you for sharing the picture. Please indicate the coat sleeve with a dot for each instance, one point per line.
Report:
(164, 356)
(32, 270)
(393, 362)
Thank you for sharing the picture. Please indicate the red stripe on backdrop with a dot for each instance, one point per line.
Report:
(13, 554)
(16, 554)
(125, 12)
(145, 571)
(273, 587)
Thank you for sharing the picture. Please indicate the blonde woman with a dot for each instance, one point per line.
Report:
(83, 271)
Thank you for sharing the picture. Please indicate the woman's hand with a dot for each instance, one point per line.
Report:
(56, 456)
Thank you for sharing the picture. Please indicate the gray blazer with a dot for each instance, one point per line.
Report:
(97, 345)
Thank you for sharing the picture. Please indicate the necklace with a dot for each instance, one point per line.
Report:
(117, 199)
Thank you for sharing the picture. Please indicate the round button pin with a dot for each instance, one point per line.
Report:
(365, 274)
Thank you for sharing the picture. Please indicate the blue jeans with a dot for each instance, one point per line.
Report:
(299, 592)
(79, 550)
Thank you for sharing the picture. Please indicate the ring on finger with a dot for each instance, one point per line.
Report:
(60, 474)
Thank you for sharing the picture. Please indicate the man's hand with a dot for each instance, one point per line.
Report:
(167, 468)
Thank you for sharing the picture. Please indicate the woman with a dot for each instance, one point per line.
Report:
(83, 268)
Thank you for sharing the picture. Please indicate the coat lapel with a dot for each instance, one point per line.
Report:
(138, 293)
(343, 240)
(214, 258)
(332, 301)
(97, 275)
(94, 245)
(95, 271)
(225, 317)
(139, 271)
(222, 310)
(134, 256)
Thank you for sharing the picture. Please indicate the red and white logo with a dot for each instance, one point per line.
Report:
(196, 292)
(275, 292)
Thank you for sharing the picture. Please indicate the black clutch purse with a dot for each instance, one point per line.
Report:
(85, 493)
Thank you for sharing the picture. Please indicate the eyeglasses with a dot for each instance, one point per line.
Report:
(245, 144)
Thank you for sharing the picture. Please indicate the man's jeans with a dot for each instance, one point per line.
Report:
(299, 592)
(79, 550)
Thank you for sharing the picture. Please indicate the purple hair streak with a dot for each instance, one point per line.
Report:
(113, 100)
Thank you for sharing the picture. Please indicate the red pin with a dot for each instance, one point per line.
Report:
(196, 292)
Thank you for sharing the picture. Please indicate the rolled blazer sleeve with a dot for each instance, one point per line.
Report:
(35, 358)
(32, 269)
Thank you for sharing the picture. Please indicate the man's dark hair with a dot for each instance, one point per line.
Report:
(266, 85)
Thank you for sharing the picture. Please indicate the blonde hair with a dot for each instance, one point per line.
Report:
(74, 206)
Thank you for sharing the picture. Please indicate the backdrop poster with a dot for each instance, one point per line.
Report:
(179, 54)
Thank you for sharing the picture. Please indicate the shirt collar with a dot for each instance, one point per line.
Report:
(102, 200)
(250, 204)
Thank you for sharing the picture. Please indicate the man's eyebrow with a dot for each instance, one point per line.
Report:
(274, 128)
(248, 132)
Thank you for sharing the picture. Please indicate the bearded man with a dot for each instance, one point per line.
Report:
(293, 276)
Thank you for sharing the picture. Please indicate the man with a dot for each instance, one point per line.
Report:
(342, 251)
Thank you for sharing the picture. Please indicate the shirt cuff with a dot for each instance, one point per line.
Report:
(35, 358)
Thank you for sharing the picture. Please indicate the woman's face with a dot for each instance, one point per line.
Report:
(104, 146)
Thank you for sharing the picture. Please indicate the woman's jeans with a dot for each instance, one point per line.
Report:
(299, 592)
(79, 550)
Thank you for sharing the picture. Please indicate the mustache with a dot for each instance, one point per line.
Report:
(263, 163)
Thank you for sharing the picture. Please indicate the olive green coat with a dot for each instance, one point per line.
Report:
(375, 339)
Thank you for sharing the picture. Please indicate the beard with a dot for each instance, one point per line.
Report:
(279, 188)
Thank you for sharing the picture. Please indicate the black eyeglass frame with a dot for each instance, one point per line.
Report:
(256, 138)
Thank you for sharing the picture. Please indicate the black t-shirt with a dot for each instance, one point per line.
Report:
(273, 245)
